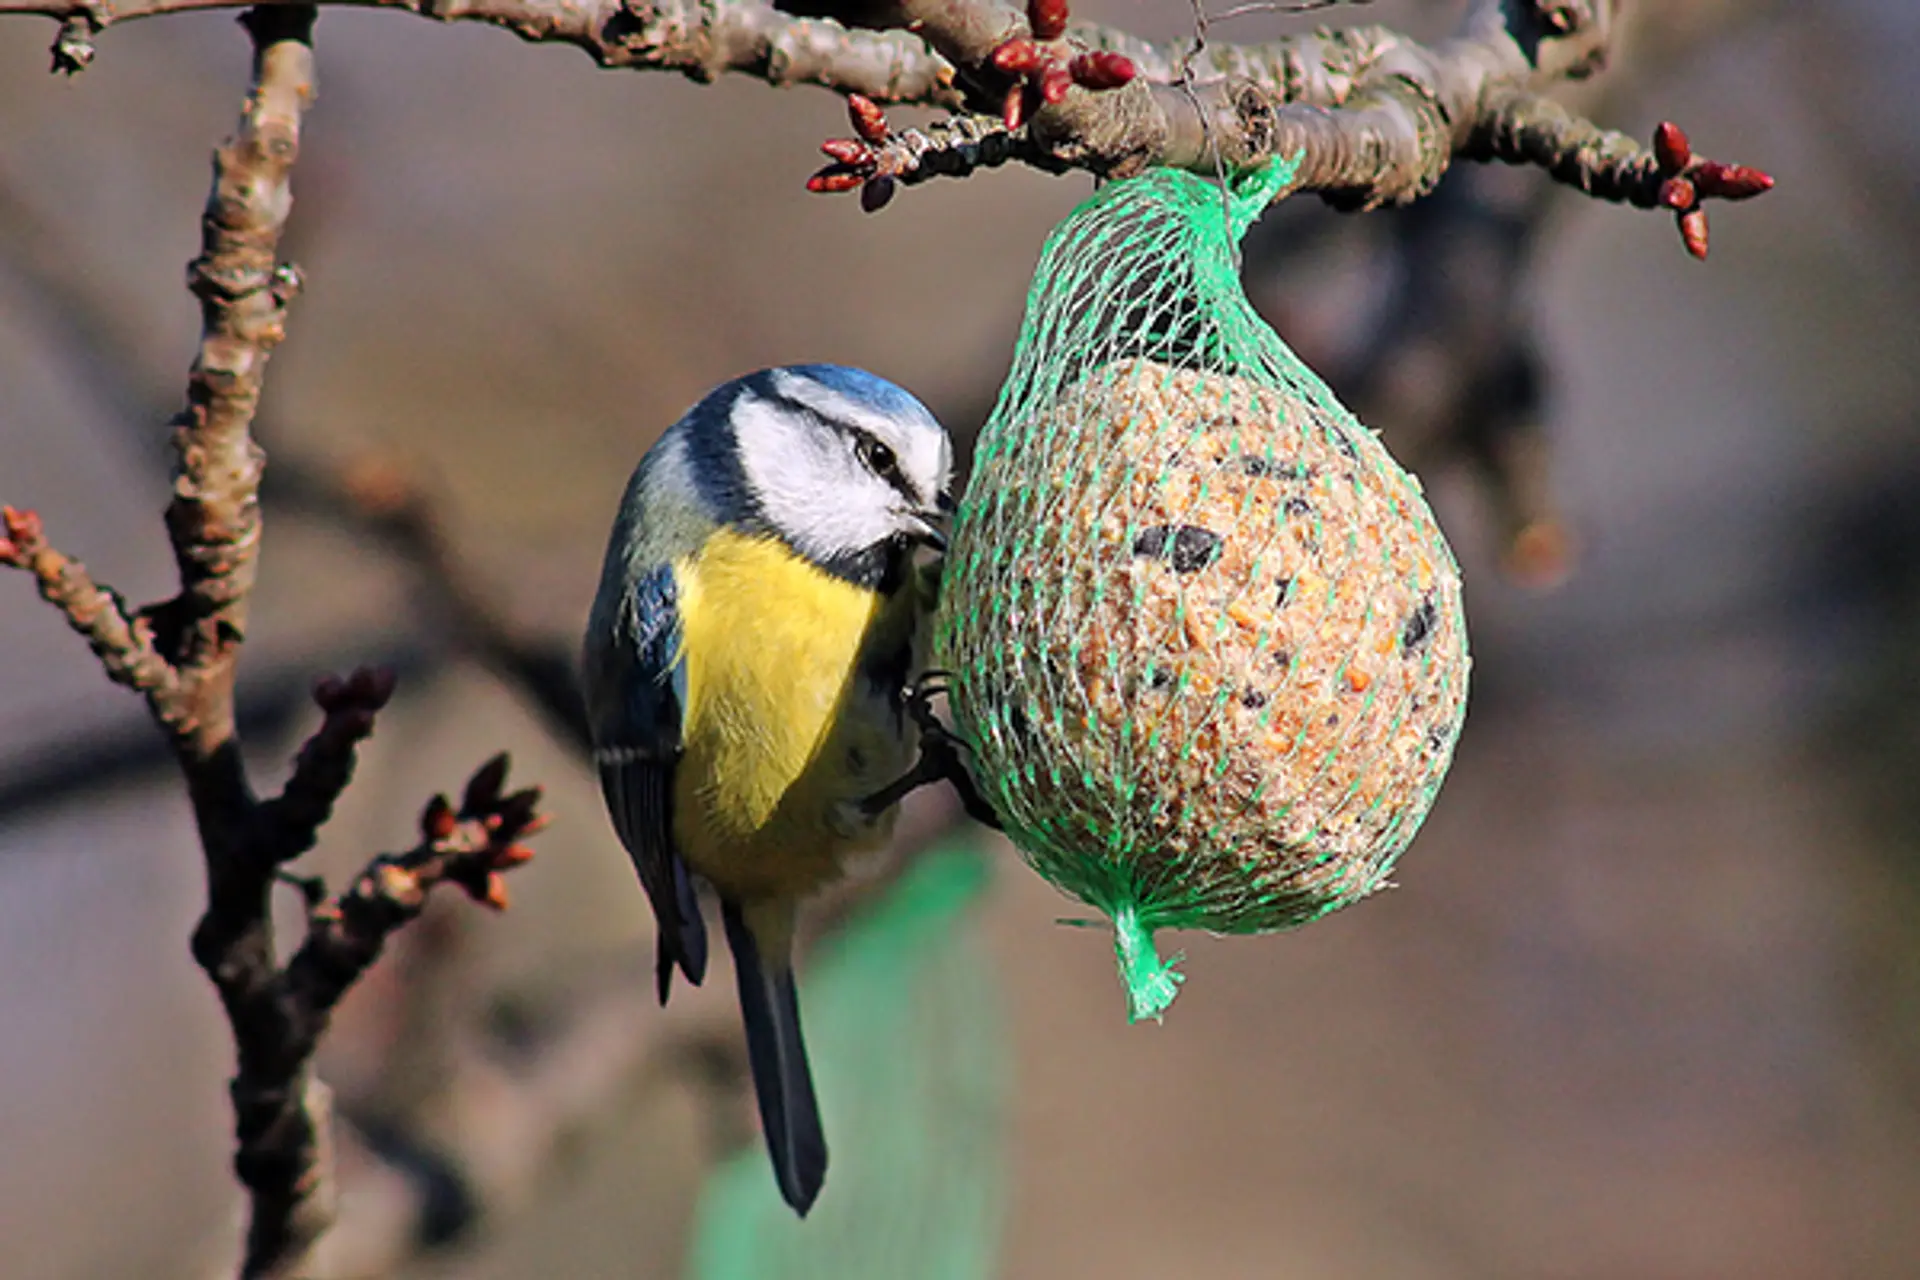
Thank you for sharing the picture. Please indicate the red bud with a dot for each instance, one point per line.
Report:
(381, 684)
(328, 693)
(1014, 109)
(23, 533)
(827, 182)
(1048, 18)
(1693, 231)
(848, 152)
(869, 121)
(370, 687)
(1670, 147)
(1540, 555)
(1016, 57)
(1732, 181)
(488, 892)
(438, 822)
(875, 195)
(1678, 194)
(1102, 70)
(1054, 83)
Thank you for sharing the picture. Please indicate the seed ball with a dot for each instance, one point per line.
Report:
(1207, 649)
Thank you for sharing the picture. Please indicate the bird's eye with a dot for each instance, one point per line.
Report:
(878, 458)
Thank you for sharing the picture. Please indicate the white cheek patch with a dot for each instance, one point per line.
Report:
(807, 483)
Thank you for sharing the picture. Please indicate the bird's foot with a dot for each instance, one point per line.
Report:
(933, 683)
(941, 758)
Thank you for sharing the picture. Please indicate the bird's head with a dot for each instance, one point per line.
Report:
(843, 466)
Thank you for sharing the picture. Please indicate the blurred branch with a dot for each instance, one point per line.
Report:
(507, 1108)
(382, 501)
(1374, 117)
(1448, 361)
(182, 655)
(488, 1116)
(57, 769)
(1377, 117)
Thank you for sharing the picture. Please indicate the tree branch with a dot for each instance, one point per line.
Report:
(281, 1111)
(470, 847)
(182, 655)
(701, 40)
(292, 820)
(122, 641)
(1375, 117)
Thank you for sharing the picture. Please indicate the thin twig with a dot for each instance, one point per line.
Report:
(701, 39)
(123, 641)
(377, 498)
(292, 820)
(470, 847)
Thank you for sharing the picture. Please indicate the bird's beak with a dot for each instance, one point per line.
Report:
(928, 530)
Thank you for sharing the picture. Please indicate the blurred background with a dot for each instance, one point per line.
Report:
(1645, 1004)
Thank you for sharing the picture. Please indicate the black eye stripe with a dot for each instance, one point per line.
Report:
(880, 458)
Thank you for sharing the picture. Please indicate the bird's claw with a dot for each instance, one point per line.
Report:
(919, 702)
(941, 758)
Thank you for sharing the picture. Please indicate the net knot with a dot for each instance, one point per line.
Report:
(1152, 983)
(1251, 192)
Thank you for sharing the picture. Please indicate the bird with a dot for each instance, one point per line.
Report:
(748, 668)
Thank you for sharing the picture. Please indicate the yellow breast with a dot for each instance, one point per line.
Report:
(777, 728)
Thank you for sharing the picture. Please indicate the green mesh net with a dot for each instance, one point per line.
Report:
(909, 1052)
(1205, 638)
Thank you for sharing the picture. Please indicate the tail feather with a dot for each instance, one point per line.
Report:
(788, 1111)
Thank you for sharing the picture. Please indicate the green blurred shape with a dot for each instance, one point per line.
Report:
(909, 1053)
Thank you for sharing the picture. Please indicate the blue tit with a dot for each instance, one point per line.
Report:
(760, 616)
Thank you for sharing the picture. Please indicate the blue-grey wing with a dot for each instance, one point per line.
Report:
(637, 685)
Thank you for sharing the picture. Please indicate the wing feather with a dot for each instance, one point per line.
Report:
(642, 680)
